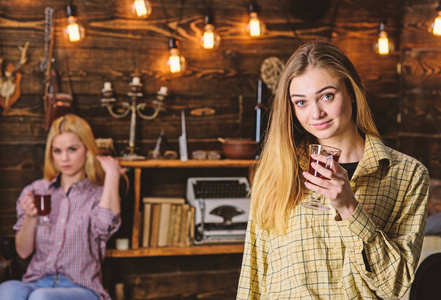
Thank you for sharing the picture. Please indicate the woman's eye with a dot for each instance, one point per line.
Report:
(72, 149)
(300, 103)
(56, 151)
(329, 96)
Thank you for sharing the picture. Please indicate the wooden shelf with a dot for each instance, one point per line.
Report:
(175, 251)
(157, 163)
(136, 251)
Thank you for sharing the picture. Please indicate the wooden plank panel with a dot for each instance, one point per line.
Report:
(426, 149)
(223, 282)
(421, 112)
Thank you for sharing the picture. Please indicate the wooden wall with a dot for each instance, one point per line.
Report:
(420, 101)
(117, 47)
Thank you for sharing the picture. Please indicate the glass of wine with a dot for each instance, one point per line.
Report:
(332, 155)
(42, 202)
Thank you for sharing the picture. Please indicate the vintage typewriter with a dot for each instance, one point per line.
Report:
(221, 208)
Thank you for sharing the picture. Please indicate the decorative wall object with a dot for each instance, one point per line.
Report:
(10, 81)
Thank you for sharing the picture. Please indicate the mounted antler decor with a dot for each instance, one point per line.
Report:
(10, 81)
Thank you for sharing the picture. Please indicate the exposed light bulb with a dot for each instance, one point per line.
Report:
(435, 27)
(383, 45)
(74, 31)
(176, 63)
(141, 8)
(255, 26)
(210, 39)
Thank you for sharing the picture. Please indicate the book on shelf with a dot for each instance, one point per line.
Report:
(167, 222)
(172, 221)
(164, 224)
(176, 227)
(190, 227)
(154, 226)
(183, 227)
(146, 222)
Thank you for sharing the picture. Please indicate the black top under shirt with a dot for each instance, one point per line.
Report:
(350, 167)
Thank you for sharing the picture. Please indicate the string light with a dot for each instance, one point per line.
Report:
(210, 39)
(435, 27)
(141, 8)
(74, 31)
(383, 45)
(176, 63)
(255, 26)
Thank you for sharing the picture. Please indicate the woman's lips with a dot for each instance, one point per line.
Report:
(321, 126)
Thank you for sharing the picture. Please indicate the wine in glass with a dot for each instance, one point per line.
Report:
(332, 155)
(42, 202)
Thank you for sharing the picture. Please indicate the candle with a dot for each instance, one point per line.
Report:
(119, 291)
(122, 244)
(163, 91)
(135, 81)
(107, 86)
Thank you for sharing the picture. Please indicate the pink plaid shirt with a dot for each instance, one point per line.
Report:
(75, 244)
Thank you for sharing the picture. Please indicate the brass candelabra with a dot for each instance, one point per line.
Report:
(133, 106)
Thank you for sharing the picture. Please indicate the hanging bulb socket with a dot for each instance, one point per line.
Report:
(383, 45)
(70, 10)
(173, 43)
(210, 38)
(176, 63)
(208, 19)
(382, 27)
(255, 26)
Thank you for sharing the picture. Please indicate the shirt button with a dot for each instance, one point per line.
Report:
(59, 243)
(340, 284)
(62, 220)
(51, 264)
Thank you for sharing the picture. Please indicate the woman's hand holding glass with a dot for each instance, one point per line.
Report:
(335, 185)
(28, 206)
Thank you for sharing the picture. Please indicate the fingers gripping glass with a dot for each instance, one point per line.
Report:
(332, 155)
(42, 202)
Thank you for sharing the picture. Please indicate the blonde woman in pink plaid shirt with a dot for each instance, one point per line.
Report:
(67, 254)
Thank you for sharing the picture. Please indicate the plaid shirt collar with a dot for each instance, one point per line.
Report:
(82, 184)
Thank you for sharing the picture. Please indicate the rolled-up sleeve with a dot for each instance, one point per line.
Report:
(104, 223)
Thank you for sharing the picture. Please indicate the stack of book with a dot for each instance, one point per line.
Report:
(168, 222)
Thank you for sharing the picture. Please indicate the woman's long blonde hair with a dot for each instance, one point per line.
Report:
(77, 125)
(278, 186)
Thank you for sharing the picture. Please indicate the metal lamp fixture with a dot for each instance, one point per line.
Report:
(210, 39)
(141, 8)
(255, 26)
(383, 45)
(176, 63)
(435, 27)
(74, 31)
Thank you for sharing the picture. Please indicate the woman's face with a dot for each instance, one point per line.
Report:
(322, 105)
(69, 154)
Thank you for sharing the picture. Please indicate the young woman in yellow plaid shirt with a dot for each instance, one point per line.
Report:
(368, 245)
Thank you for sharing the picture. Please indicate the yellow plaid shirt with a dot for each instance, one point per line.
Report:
(321, 256)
